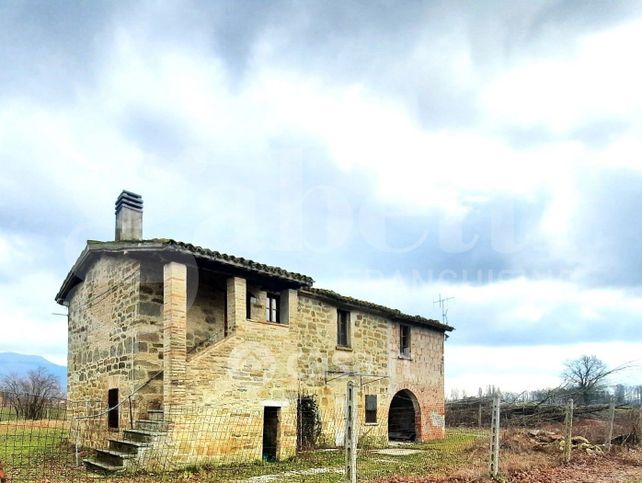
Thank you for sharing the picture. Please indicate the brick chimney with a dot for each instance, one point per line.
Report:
(129, 216)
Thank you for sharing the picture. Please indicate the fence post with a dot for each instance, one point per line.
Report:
(640, 426)
(494, 437)
(131, 413)
(611, 420)
(479, 415)
(568, 421)
(350, 435)
(299, 425)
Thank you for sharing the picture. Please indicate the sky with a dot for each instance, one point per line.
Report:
(393, 150)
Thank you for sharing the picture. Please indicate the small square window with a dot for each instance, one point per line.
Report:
(371, 408)
(272, 308)
(343, 328)
(404, 340)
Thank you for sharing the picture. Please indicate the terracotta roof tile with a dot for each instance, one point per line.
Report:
(394, 314)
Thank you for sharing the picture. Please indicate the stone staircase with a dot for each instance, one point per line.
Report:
(123, 452)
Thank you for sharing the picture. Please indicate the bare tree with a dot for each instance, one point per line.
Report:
(587, 375)
(29, 395)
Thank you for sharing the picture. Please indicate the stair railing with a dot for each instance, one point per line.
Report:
(128, 398)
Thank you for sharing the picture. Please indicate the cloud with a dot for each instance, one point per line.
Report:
(485, 150)
(595, 81)
(509, 312)
(526, 368)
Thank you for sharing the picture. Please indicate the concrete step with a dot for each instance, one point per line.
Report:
(96, 466)
(113, 457)
(151, 425)
(141, 436)
(156, 414)
(124, 446)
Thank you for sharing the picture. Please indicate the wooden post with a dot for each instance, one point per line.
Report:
(131, 413)
(350, 435)
(479, 415)
(568, 421)
(640, 426)
(494, 437)
(611, 420)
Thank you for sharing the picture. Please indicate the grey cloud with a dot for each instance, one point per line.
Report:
(57, 49)
(566, 324)
(600, 133)
(403, 50)
(578, 16)
(154, 133)
(607, 232)
(51, 47)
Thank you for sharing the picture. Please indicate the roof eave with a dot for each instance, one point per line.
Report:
(94, 247)
(392, 314)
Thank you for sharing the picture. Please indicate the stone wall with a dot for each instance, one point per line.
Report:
(149, 337)
(422, 374)
(101, 334)
(322, 365)
(206, 312)
(239, 376)
(264, 364)
(375, 352)
(116, 340)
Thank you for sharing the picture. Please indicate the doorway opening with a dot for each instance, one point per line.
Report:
(112, 404)
(403, 417)
(270, 433)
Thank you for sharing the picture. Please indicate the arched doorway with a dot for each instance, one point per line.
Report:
(404, 417)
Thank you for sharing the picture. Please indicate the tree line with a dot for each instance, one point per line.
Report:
(585, 380)
(30, 395)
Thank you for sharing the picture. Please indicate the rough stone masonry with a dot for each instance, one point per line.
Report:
(176, 326)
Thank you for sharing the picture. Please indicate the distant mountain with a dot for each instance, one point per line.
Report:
(20, 364)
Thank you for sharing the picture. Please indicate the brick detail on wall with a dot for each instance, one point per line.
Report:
(174, 334)
(236, 293)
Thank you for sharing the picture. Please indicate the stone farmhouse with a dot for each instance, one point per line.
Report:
(173, 326)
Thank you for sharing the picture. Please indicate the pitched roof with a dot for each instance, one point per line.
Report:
(167, 245)
(394, 314)
(160, 245)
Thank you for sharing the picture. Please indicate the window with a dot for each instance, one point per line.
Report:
(371, 408)
(272, 308)
(343, 328)
(404, 340)
(250, 300)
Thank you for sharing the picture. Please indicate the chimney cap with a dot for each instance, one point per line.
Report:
(130, 200)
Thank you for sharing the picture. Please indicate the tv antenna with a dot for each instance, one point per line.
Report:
(442, 306)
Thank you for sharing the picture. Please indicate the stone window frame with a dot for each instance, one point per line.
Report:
(371, 415)
(405, 341)
(348, 328)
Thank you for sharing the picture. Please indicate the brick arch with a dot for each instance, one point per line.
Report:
(404, 417)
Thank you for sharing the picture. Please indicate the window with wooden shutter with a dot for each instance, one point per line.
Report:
(371, 408)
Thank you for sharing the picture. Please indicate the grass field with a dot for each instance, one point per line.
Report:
(36, 449)
(39, 451)
(21, 441)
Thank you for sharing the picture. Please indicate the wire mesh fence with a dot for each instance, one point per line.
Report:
(545, 433)
(35, 437)
(300, 441)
